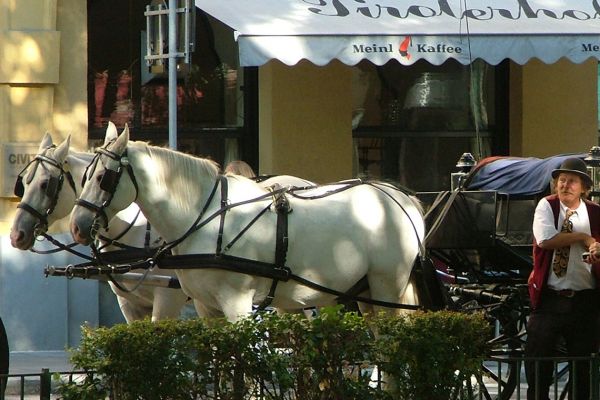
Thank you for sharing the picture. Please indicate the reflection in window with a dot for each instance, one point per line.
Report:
(413, 123)
(122, 89)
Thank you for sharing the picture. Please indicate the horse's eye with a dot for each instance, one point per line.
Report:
(44, 185)
(99, 178)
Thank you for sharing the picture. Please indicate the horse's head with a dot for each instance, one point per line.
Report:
(109, 186)
(47, 192)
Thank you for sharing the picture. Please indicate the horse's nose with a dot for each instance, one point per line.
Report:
(78, 234)
(16, 237)
(75, 232)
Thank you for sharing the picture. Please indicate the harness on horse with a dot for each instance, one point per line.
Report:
(109, 181)
(277, 271)
(52, 191)
(53, 186)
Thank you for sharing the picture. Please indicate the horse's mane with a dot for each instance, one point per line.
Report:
(186, 167)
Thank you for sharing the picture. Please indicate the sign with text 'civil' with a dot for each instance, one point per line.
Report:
(15, 156)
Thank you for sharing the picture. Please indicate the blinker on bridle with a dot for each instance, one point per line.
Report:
(109, 182)
(53, 186)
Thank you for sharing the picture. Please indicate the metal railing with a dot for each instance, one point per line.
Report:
(506, 377)
(501, 378)
(34, 386)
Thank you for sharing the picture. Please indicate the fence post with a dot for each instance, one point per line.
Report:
(45, 384)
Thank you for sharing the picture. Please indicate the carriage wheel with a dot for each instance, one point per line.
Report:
(500, 373)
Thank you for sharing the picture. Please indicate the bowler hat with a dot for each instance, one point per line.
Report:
(574, 166)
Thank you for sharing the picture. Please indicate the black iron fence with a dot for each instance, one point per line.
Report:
(502, 378)
(33, 386)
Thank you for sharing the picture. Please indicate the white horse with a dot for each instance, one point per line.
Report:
(370, 230)
(40, 192)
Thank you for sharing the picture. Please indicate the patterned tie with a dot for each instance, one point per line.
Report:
(561, 256)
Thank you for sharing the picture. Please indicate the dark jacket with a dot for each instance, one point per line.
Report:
(542, 259)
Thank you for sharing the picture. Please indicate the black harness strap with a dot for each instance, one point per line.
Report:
(442, 214)
(195, 226)
(115, 241)
(241, 233)
(281, 246)
(34, 212)
(109, 181)
(199, 223)
(265, 270)
(54, 186)
(224, 262)
(147, 236)
(281, 238)
(224, 204)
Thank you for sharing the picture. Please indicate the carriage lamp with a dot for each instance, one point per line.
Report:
(593, 166)
(465, 164)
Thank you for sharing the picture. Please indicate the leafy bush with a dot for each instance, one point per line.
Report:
(430, 355)
(278, 357)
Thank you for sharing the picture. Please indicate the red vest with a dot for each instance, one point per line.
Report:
(543, 258)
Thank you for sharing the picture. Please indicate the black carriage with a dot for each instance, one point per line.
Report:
(479, 238)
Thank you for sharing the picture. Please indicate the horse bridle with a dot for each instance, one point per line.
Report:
(109, 182)
(53, 187)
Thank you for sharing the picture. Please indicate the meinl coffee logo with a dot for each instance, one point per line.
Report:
(407, 48)
(522, 10)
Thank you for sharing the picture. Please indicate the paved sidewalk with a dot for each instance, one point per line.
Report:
(32, 362)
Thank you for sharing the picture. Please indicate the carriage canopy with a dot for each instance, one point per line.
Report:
(410, 30)
(515, 176)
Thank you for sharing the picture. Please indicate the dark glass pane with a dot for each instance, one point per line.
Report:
(123, 89)
(423, 97)
(412, 123)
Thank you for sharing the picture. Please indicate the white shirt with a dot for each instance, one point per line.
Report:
(578, 276)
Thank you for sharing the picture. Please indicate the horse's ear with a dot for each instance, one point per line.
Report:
(120, 144)
(60, 154)
(111, 133)
(46, 142)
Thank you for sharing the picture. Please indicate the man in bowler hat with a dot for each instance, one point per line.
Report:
(563, 285)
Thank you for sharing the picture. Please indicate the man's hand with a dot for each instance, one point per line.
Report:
(594, 253)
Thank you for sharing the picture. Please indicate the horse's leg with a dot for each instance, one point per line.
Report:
(388, 290)
(167, 303)
(393, 289)
(131, 311)
(204, 311)
(237, 308)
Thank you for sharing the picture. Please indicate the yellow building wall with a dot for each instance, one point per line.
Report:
(553, 108)
(43, 76)
(305, 121)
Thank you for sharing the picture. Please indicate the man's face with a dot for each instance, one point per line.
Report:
(569, 188)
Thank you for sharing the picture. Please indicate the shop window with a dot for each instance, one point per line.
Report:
(412, 123)
(214, 95)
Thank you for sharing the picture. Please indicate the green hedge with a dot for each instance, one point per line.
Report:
(426, 355)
